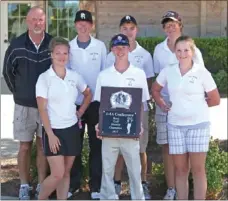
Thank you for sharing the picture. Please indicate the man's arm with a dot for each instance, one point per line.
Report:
(9, 69)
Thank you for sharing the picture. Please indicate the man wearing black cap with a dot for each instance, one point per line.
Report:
(142, 59)
(121, 74)
(87, 57)
(163, 56)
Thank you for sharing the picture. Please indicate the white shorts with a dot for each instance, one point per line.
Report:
(161, 126)
(184, 140)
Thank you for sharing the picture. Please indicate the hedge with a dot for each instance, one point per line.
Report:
(214, 51)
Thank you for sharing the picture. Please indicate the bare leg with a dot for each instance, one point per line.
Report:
(52, 181)
(41, 161)
(119, 168)
(168, 166)
(181, 162)
(199, 175)
(64, 185)
(23, 160)
(143, 157)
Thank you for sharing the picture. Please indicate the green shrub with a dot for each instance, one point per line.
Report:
(216, 169)
(214, 51)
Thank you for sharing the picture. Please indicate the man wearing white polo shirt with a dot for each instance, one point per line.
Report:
(87, 57)
(142, 59)
(121, 74)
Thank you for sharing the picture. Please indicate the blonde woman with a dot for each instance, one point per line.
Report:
(188, 115)
(56, 92)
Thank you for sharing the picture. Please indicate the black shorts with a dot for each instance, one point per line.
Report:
(69, 138)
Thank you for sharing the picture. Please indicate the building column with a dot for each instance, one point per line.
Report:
(203, 18)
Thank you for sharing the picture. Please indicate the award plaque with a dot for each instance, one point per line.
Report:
(120, 112)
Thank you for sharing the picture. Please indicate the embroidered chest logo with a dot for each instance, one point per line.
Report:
(94, 55)
(192, 79)
(83, 16)
(130, 81)
(138, 59)
(72, 83)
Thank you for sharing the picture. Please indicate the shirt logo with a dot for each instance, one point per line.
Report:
(72, 83)
(130, 81)
(94, 55)
(192, 79)
(82, 15)
(138, 59)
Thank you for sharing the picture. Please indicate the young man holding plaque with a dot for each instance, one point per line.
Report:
(121, 74)
(142, 59)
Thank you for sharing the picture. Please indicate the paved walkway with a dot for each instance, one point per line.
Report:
(9, 147)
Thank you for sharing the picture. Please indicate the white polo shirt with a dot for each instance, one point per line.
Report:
(133, 77)
(163, 57)
(61, 95)
(186, 92)
(140, 58)
(87, 62)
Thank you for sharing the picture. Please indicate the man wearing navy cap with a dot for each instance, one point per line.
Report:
(87, 57)
(121, 74)
(142, 59)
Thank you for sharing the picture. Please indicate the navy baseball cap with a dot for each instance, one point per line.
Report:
(83, 15)
(128, 19)
(171, 15)
(119, 40)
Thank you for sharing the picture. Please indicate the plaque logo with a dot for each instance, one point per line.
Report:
(121, 99)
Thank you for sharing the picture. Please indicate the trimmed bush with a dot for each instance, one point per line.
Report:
(214, 51)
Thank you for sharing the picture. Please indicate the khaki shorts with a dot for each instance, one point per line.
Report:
(143, 140)
(26, 123)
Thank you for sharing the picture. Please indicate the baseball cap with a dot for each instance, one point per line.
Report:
(128, 19)
(119, 39)
(83, 15)
(171, 15)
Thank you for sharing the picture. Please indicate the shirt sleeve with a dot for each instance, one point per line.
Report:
(157, 66)
(208, 81)
(103, 56)
(162, 78)
(198, 58)
(97, 93)
(42, 87)
(81, 84)
(145, 91)
(148, 66)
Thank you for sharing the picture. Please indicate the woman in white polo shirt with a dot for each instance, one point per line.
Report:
(188, 115)
(164, 55)
(56, 92)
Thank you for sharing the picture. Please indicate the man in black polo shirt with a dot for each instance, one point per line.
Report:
(25, 59)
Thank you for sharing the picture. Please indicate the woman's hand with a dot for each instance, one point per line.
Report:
(54, 143)
(98, 132)
(165, 107)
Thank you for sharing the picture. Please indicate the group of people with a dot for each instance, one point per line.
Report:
(56, 87)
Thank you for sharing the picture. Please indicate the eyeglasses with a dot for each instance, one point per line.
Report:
(120, 42)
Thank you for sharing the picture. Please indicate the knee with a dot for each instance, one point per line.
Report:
(58, 175)
(198, 170)
(25, 147)
(182, 170)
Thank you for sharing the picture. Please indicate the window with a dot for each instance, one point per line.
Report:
(61, 16)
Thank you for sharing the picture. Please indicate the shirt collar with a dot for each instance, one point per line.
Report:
(36, 46)
(92, 42)
(136, 48)
(53, 74)
(165, 44)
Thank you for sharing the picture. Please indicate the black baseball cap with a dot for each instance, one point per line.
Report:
(171, 15)
(128, 19)
(83, 15)
(119, 40)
